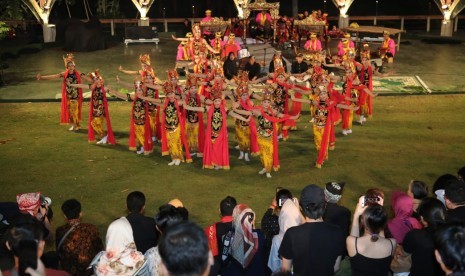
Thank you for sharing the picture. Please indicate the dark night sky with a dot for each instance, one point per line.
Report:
(226, 8)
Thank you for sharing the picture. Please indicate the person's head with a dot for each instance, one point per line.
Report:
(277, 54)
(454, 194)
(70, 66)
(299, 58)
(313, 36)
(252, 59)
(450, 248)
(461, 174)
(135, 202)
(71, 208)
(386, 34)
(96, 78)
(323, 96)
(417, 189)
(167, 215)
(29, 203)
(374, 219)
(375, 192)
(316, 63)
(365, 60)
(231, 37)
(138, 88)
(184, 250)
(333, 190)
(208, 13)
(312, 202)
(231, 56)
(432, 212)
(227, 206)
(440, 185)
(281, 196)
(24, 229)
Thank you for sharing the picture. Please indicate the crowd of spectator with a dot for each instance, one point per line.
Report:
(309, 235)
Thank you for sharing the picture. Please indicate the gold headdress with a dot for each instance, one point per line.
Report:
(149, 72)
(95, 75)
(208, 12)
(232, 35)
(280, 71)
(267, 94)
(145, 59)
(68, 58)
(191, 81)
(386, 33)
(347, 36)
(313, 35)
(218, 34)
(172, 74)
(242, 88)
(189, 35)
(196, 29)
(168, 87)
(216, 93)
(365, 54)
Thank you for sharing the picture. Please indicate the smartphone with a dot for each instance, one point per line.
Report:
(27, 256)
(370, 200)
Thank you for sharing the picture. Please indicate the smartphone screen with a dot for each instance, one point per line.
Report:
(27, 255)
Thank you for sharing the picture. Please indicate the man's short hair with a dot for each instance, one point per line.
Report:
(71, 208)
(449, 242)
(455, 192)
(135, 201)
(418, 189)
(167, 216)
(184, 249)
(227, 206)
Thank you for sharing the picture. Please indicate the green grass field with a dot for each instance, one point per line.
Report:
(409, 137)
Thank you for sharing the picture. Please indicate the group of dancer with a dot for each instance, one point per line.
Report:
(171, 111)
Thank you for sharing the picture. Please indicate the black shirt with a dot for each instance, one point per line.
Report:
(230, 69)
(144, 231)
(297, 68)
(253, 69)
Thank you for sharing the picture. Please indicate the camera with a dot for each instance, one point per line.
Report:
(369, 201)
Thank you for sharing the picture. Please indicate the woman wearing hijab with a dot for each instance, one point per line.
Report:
(246, 256)
(403, 221)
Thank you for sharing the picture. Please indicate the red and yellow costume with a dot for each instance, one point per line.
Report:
(195, 132)
(71, 97)
(365, 100)
(173, 125)
(246, 132)
(153, 110)
(216, 153)
(349, 91)
(322, 128)
(99, 115)
(231, 46)
(139, 130)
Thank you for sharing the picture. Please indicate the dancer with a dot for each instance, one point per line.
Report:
(246, 132)
(216, 154)
(324, 108)
(267, 119)
(71, 97)
(173, 126)
(195, 133)
(145, 66)
(98, 111)
(197, 43)
(139, 130)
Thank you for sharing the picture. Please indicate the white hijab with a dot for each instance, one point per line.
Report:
(119, 234)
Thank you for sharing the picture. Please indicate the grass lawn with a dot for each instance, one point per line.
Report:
(409, 137)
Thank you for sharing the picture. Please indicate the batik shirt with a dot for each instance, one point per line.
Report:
(150, 93)
(217, 123)
(279, 99)
(353, 94)
(265, 127)
(139, 112)
(241, 122)
(321, 114)
(192, 116)
(171, 116)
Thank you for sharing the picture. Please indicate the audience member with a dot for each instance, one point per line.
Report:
(167, 215)
(440, 185)
(289, 216)
(420, 242)
(403, 221)
(184, 250)
(119, 235)
(417, 190)
(217, 232)
(299, 66)
(270, 220)
(450, 249)
(461, 174)
(454, 197)
(371, 253)
(143, 228)
(77, 242)
(246, 255)
(36, 206)
(230, 67)
(25, 238)
(335, 213)
(315, 247)
(253, 68)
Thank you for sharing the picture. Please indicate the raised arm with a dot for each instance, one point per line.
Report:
(179, 39)
(120, 68)
(233, 114)
(157, 102)
(123, 83)
(125, 97)
(153, 86)
(343, 106)
(49, 77)
(210, 47)
(194, 108)
(79, 85)
(293, 98)
(260, 79)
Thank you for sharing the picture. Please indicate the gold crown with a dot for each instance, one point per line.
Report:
(191, 81)
(189, 35)
(145, 59)
(149, 72)
(196, 29)
(232, 35)
(172, 74)
(208, 11)
(313, 35)
(168, 87)
(267, 94)
(216, 93)
(242, 88)
(95, 75)
(68, 58)
(218, 34)
(365, 54)
(280, 71)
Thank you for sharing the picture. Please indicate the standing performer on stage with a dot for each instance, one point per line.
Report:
(98, 111)
(323, 122)
(267, 136)
(230, 46)
(145, 66)
(139, 129)
(218, 43)
(71, 97)
(173, 126)
(216, 153)
(195, 132)
(197, 43)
